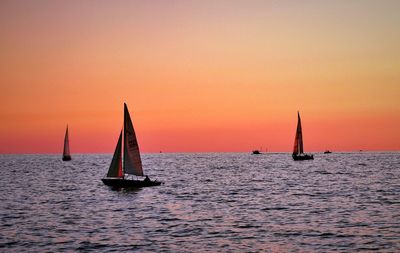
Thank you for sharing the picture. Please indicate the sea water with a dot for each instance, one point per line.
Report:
(215, 202)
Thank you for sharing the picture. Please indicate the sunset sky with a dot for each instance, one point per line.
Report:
(200, 76)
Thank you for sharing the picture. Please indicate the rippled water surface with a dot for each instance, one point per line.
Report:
(222, 202)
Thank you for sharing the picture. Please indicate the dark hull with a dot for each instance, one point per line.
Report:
(66, 158)
(302, 157)
(256, 152)
(127, 183)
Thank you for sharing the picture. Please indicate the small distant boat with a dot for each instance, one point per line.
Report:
(256, 152)
(298, 154)
(66, 154)
(120, 168)
(327, 152)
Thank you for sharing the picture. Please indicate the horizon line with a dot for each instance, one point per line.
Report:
(208, 152)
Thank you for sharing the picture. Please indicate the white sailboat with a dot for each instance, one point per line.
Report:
(298, 153)
(131, 164)
(66, 154)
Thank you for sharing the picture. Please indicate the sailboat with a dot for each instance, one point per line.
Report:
(66, 154)
(298, 154)
(131, 165)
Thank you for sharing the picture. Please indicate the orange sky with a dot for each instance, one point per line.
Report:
(199, 76)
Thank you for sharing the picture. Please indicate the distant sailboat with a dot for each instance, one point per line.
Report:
(258, 151)
(66, 154)
(131, 164)
(298, 144)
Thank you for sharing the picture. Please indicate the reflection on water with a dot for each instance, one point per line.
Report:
(209, 203)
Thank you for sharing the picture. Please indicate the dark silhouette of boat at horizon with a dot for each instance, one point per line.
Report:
(327, 152)
(121, 171)
(298, 154)
(259, 151)
(66, 153)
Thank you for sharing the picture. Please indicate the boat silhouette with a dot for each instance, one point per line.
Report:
(66, 153)
(298, 154)
(131, 165)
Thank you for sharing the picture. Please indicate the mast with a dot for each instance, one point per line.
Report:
(132, 160)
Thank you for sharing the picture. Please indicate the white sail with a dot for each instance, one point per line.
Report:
(132, 160)
(115, 169)
(66, 145)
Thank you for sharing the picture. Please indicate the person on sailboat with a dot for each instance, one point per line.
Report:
(147, 179)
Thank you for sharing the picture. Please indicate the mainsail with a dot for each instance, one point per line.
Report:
(66, 145)
(298, 141)
(132, 160)
(115, 169)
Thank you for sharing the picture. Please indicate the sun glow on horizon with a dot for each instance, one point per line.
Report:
(200, 76)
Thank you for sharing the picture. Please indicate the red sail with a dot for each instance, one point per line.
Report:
(66, 153)
(298, 141)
